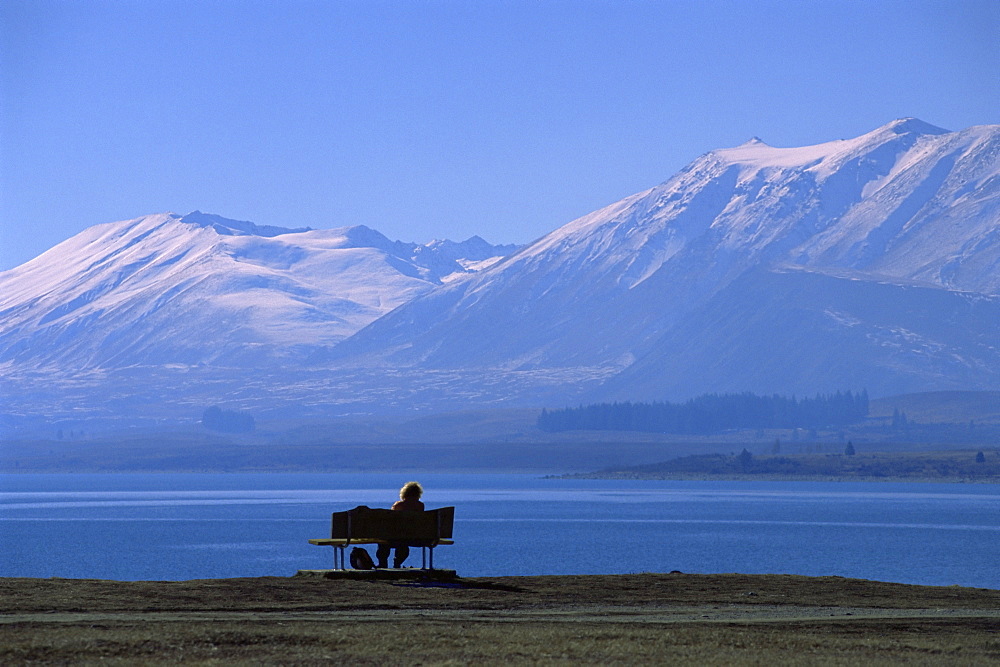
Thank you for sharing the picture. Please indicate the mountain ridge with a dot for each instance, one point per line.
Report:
(871, 262)
(134, 285)
(680, 242)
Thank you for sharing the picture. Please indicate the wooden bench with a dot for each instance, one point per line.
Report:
(363, 525)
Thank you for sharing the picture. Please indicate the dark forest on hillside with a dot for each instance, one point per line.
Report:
(712, 413)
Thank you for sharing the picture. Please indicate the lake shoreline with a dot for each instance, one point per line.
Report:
(946, 467)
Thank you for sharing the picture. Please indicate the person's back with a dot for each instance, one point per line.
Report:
(409, 505)
(409, 501)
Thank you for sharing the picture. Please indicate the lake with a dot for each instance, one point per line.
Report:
(194, 526)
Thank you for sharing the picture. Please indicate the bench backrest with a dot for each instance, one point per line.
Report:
(366, 523)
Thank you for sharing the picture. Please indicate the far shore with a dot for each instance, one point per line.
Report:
(693, 477)
(952, 466)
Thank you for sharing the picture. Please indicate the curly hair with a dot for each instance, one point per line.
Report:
(411, 490)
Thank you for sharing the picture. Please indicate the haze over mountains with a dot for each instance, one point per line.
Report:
(871, 262)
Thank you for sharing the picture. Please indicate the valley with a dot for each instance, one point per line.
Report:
(950, 424)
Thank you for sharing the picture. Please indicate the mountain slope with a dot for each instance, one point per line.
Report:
(802, 331)
(907, 201)
(201, 289)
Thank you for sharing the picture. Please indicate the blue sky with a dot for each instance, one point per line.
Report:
(443, 119)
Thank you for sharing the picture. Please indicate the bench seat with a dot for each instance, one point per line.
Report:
(343, 541)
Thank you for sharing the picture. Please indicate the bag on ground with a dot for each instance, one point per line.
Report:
(360, 560)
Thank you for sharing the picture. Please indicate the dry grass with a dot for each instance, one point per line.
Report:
(627, 619)
(433, 642)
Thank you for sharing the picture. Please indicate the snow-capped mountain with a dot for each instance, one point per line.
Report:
(201, 289)
(871, 262)
(905, 203)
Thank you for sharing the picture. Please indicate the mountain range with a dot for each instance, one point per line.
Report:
(867, 263)
(201, 289)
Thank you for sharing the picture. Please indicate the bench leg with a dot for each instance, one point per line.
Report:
(338, 558)
(426, 557)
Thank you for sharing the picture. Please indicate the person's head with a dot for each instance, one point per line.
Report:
(411, 491)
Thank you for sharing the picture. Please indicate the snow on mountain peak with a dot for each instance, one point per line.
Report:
(247, 289)
(750, 199)
(903, 132)
(596, 291)
(911, 126)
(474, 248)
(228, 227)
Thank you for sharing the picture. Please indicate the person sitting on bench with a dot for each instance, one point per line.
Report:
(409, 500)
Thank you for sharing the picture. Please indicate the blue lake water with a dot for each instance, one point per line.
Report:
(193, 526)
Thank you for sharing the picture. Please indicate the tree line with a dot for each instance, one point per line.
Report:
(711, 413)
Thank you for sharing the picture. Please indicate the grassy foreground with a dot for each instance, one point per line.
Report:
(609, 619)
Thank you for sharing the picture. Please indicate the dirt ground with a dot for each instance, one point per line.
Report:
(613, 619)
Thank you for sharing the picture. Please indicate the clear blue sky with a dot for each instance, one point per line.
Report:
(443, 119)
